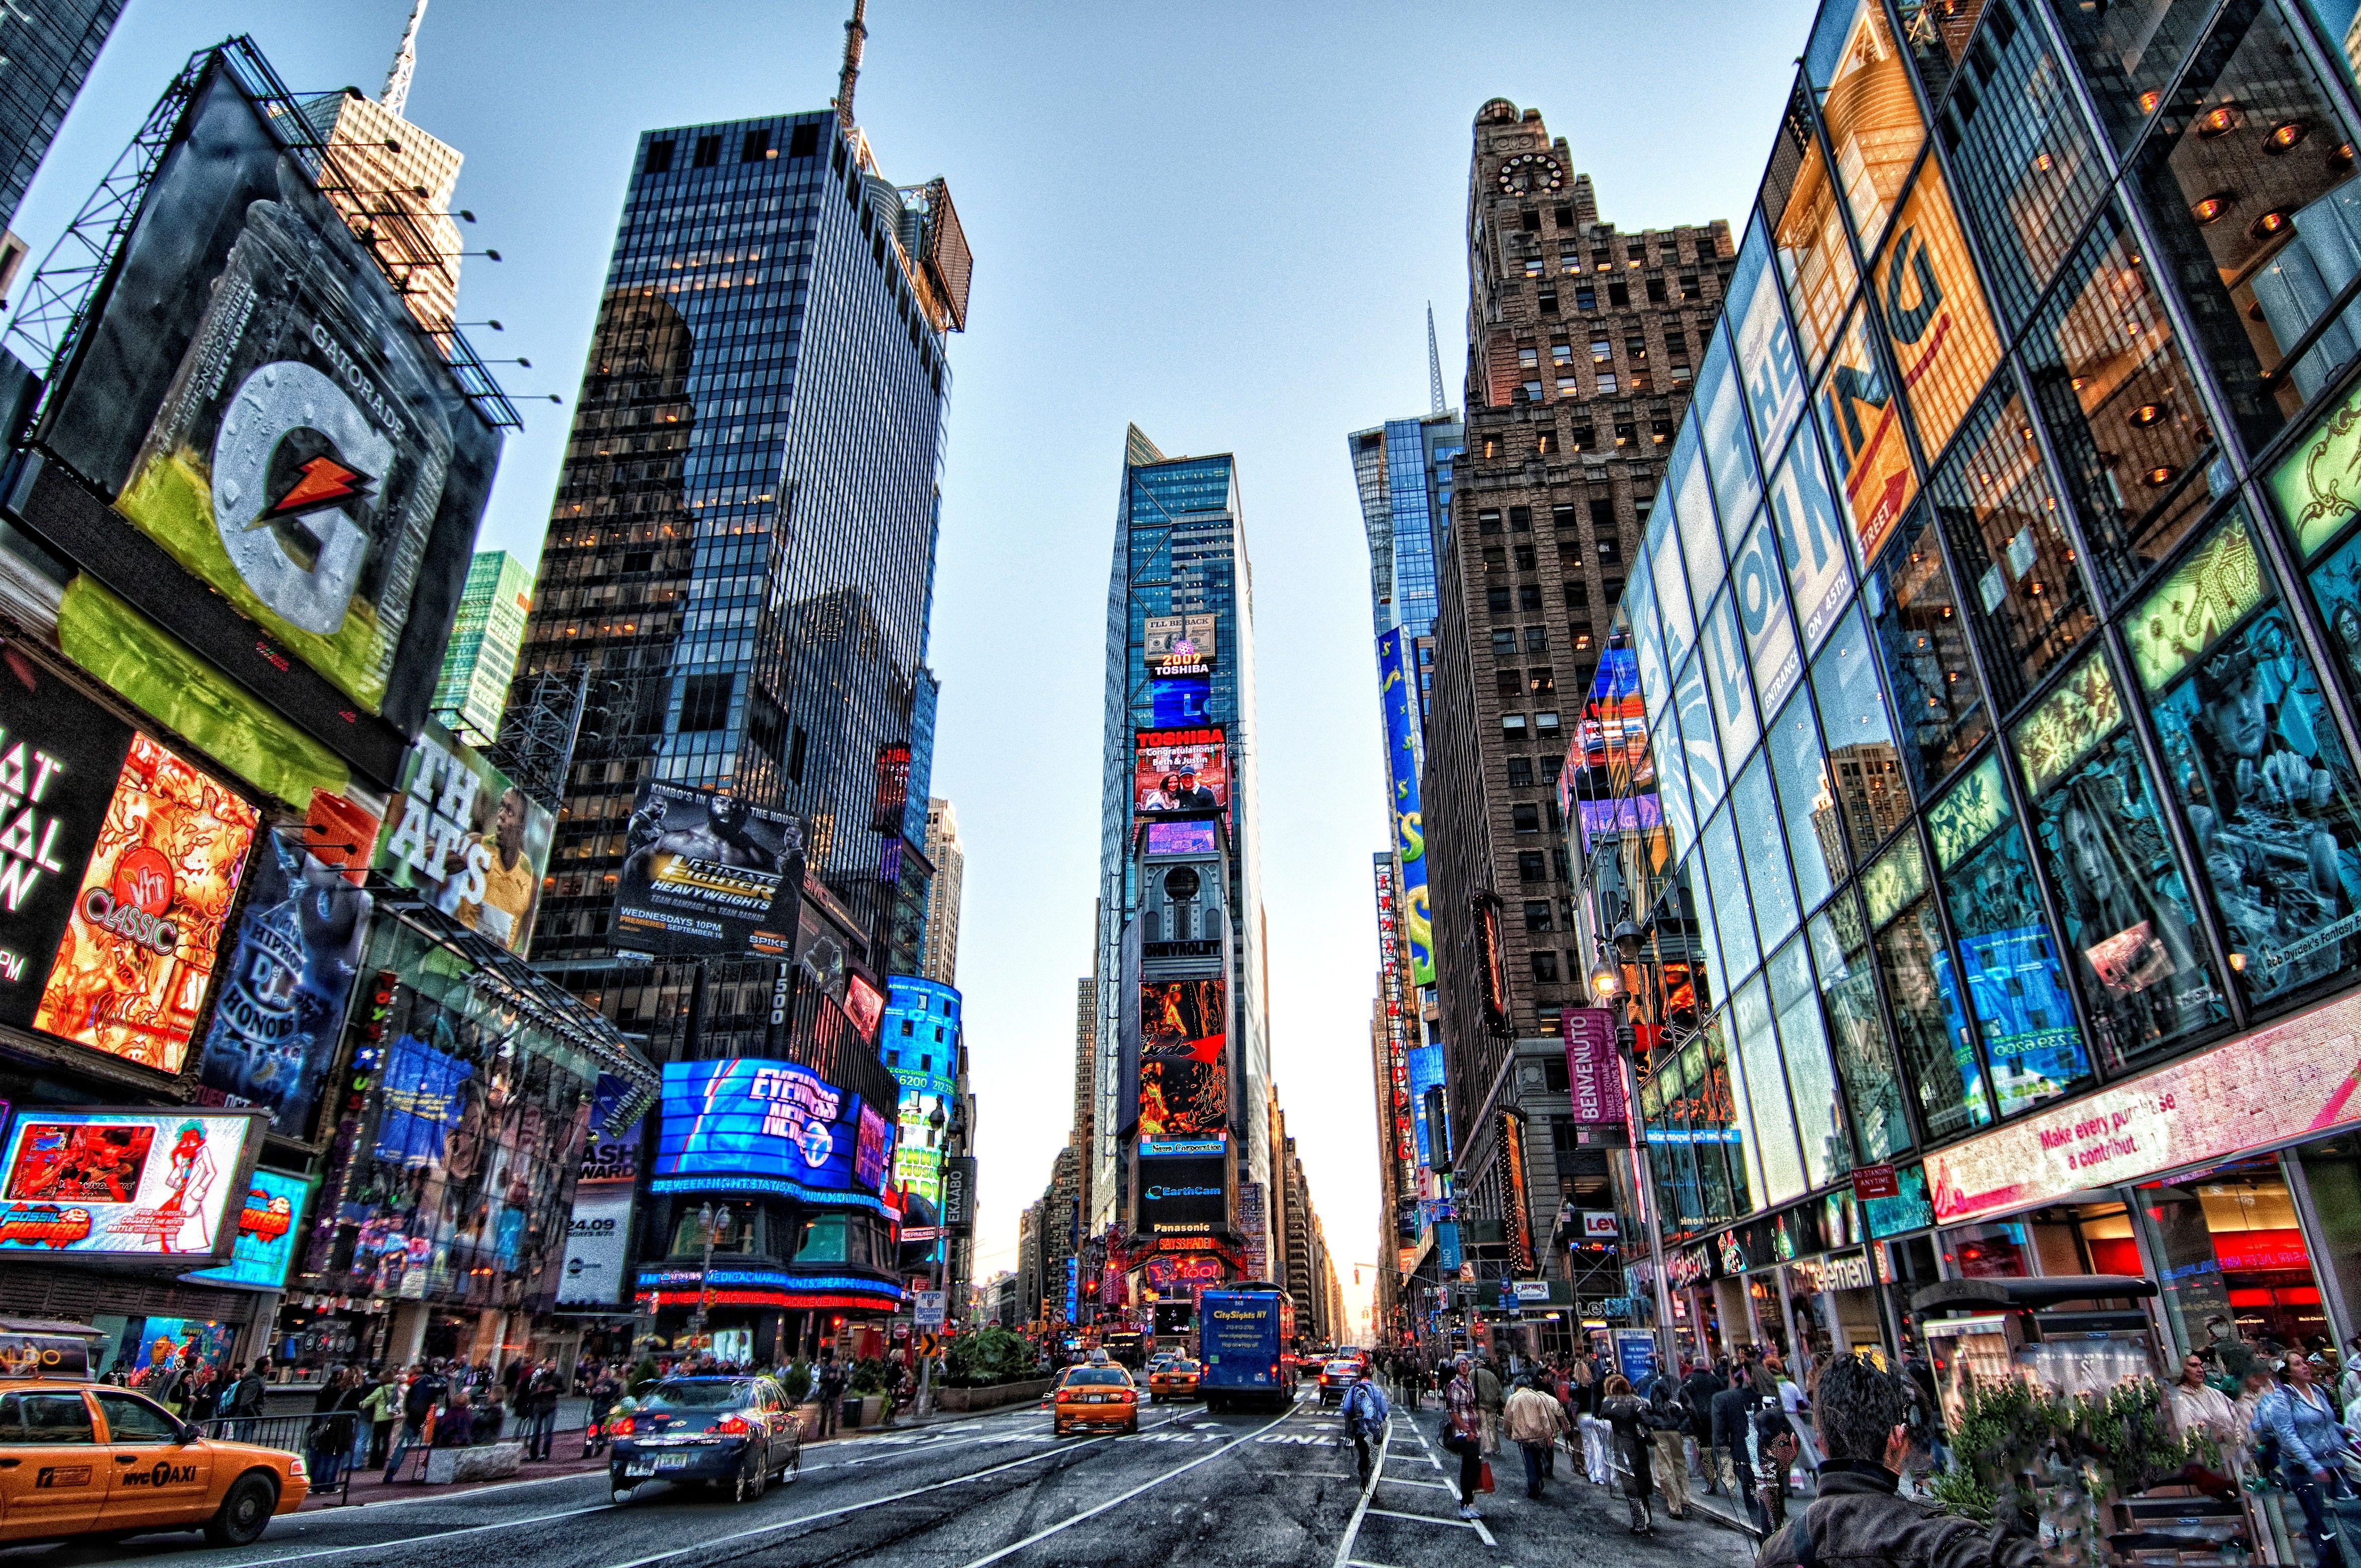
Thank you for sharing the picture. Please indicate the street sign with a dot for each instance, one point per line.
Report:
(930, 1309)
(1597, 1224)
(921, 1233)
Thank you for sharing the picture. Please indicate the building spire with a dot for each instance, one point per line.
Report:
(396, 96)
(854, 35)
(1434, 357)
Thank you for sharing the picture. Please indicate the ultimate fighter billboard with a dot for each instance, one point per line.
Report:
(251, 396)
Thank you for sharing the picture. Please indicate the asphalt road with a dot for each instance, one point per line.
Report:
(1191, 1489)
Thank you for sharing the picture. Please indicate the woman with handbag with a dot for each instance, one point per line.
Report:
(1774, 1445)
(1626, 1415)
(1463, 1434)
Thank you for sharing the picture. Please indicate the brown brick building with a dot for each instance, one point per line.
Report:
(1582, 344)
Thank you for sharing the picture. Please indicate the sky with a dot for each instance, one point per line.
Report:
(1221, 222)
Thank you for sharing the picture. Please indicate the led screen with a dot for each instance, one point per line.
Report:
(1181, 839)
(1184, 1195)
(269, 1223)
(1180, 700)
(154, 1183)
(705, 872)
(752, 1126)
(59, 756)
(1179, 770)
(469, 839)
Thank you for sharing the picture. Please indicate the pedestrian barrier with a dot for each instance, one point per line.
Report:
(325, 1441)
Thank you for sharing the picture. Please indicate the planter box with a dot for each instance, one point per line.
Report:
(490, 1462)
(808, 1419)
(993, 1398)
(872, 1409)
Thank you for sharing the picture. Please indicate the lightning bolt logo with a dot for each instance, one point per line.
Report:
(323, 482)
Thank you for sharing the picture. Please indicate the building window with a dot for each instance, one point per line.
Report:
(1521, 772)
(708, 152)
(1536, 639)
(1602, 352)
(1544, 967)
(1532, 866)
(1546, 725)
(1504, 643)
(1496, 558)
(1619, 295)
(1533, 266)
(755, 147)
(1607, 386)
(1496, 599)
(1529, 597)
(1577, 594)
(1583, 437)
(1527, 358)
(1537, 915)
(1488, 520)
(1505, 683)
(659, 158)
(1520, 519)
(1586, 299)
(1525, 817)
(1569, 263)
(1567, 386)
(1532, 390)
(1524, 557)
(1547, 300)
(1656, 292)
(1561, 354)
(1542, 681)
(1512, 726)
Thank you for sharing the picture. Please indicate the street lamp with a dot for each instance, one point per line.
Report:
(936, 1122)
(709, 1223)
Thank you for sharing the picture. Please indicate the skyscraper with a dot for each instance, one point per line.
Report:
(1402, 470)
(403, 181)
(939, 961)
(1180, 899)
(46, 51)
(1581, 341)
(481, 659)
(741, 556)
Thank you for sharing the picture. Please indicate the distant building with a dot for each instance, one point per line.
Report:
(482, 656)
(46, 51)
(940, 959)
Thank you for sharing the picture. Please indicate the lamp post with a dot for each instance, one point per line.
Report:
(709, 1221)
(1608, 985)
(936, 1122)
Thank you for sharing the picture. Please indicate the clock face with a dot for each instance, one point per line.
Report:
(1531, 174)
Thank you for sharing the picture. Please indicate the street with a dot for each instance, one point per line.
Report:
(1191, 1488)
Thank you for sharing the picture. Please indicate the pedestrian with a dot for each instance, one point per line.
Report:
(1729, 1426)
(1584, 1376)
(382, 1405)
(1488, 1401)
(1697, 1391)
(1798, 1405)
(1463, 1432)
(455, 1425)
(1365, 1418)
(1668, 1429)
(605, 1389)
(1859, 1517)
(1774, 1446)
(830, 1384)
(329, 1437)
(1534, 1423)
(1625, 1416)
(2312, 1449)
(539, 1389)
(245, 1397)
(426, 1389)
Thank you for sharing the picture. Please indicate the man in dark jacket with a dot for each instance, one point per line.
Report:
(1731, 1414)
(1858, 1520)
(1698, 1390)
(1668, 1428)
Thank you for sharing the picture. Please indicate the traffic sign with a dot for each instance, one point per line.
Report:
(930, 1309)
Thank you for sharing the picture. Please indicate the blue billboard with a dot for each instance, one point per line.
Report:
(1425, 1073)
(752, 1126)
(268, 1222)
(1397, 689)
(1180, 701)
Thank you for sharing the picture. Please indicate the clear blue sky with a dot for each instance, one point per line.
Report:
(1221, 222)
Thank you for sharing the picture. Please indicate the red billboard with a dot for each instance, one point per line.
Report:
(1178, 771)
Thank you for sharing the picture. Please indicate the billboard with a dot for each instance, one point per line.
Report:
(139, 953)
(60, 755)
(1178, 644)
(1862, 426)
(1180, 700)
(253, 397)
(609, 1154)
(1936, 326)
(262, 1244)
(1398, 689)
(1593, 1072)
(152, 1183)
(1181, 838)
(1184, 1196)
(892, 787)
(467, 838)
(598, 1245)
(750, 1126)
(287, 980)
(1179, 770)
(1183, 1018)
(1401, 1140)
(708, 873)
(1181, 1098)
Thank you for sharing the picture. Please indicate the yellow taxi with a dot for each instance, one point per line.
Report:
(84, 1459)
(1174, 1380)
(1096, 1396)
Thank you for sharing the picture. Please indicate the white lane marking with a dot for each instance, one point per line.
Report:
(431, 1535)
(332, 1511)
(1369, 1491)
(1042, 1535)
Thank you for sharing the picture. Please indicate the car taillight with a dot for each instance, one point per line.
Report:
(732, 1426)
(1127, 1395)
(621, 1426)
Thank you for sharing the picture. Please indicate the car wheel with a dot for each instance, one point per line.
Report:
(751, 1480)
(245, 1510)
(1133, 1430)
(794, 1465)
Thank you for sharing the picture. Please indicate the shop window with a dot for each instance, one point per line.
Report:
(2262, 782)
(1863, 758)
(823, 1239)
(2116, 392)
(2332, 1169)
(1862, 1049)
(2023, 588)
(2250, 183)
(1811, 1079)
(1924, 642)
(1756, 1075)
(2129, 917)
(2127, 53)
(2016, 986)
(1987, 1252)
(1929, 1021)
(2026, 165)
(1725, 1182)
(2236, 1271)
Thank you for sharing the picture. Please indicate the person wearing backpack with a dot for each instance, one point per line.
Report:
(1626, 1415)
(425, 1391)
(1534, 1423)
(1365, 1418)
(1860, 1519)
(1668, 1429)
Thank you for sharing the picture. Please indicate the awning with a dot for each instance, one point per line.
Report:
(1984, 1295)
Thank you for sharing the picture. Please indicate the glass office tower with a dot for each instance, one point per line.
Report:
(46, 51)
(1402, 470)
(1979, 774)
(1179, 551)
(742, 552)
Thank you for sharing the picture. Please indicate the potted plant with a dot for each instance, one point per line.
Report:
(869, 1382)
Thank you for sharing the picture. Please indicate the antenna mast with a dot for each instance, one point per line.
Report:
(396, 96)
(854, 35)
(1434, 360)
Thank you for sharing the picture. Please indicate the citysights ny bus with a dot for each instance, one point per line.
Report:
(1243, 1331)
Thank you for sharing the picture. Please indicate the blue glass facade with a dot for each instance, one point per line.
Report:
(742, 545)
(1402, 470)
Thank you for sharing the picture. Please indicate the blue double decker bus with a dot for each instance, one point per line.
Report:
(1243, 1331)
